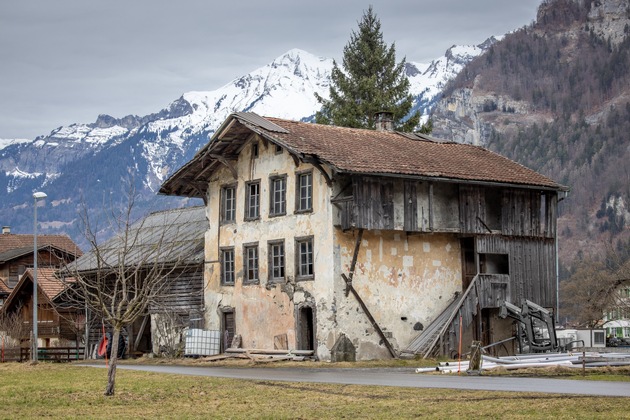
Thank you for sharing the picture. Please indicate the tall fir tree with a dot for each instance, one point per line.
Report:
(369, 82)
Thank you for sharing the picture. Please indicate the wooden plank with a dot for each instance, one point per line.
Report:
(281, 342)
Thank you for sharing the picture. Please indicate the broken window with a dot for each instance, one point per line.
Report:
(278, 198)
(304, 193)
(228, 203)
(276, 260)
(250, 260)
(494, 263)
(304, 258)
(227, 266)
(252, 200)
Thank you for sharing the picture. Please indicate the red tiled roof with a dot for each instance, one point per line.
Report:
(10, 241)
(48, 282)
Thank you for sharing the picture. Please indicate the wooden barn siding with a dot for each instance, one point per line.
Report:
(184, 293)
(532, 266)
(493, 290)
(374, 203)
(371, 207)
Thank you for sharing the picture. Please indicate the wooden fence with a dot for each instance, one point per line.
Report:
(44, 354)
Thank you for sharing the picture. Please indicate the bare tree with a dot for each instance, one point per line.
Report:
(595, 287)
(12, 328)
(121, 278)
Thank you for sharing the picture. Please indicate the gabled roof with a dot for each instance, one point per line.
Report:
(353, 151)
(20, 252)
(166, 236)
(47, 282)
(10, 241)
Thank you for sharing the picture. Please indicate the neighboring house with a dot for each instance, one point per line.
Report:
(617, 317)
(171, 242)
(4, 292)
(57, 324)
(17, 251)
(350, 241)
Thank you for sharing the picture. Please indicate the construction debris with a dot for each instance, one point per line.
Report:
(544, 360)
(263, 355)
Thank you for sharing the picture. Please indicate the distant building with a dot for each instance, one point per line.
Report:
(17, 251)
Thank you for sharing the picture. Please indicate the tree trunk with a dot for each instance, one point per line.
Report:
(111, 371)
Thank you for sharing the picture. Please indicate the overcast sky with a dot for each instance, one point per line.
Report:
(67, 61)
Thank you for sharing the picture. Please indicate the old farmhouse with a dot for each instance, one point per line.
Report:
(354, 243)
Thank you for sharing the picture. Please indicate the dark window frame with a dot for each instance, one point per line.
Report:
(299, 264)
(279, 149)
(228, 273)
(255, 150)
(248, 204)
(299, 189)
(231, 216)
(274, 265)
(246, 263)
(274, 211)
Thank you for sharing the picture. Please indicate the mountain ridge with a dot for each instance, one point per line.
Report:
(85, 164)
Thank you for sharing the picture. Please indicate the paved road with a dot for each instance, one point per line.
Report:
(398, 377)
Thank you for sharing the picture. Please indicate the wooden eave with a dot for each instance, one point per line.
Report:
(452, 180)
(226, 144)
(191, 180)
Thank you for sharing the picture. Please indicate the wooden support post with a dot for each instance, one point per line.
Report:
(353, 264)
(140, 332)
(350, 288)
(431, 206)
(370, 317)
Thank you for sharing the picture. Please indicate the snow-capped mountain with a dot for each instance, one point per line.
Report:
(85, 163)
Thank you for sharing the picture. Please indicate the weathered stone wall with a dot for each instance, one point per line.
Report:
(405, 281)
(267, 309)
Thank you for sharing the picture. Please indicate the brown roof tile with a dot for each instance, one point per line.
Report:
(9, 241)
(379, 152)
(360, 151)
(48, 282)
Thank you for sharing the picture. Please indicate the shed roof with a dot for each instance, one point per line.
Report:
(166, 236)
(354, 151)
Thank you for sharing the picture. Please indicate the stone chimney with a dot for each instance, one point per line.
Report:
(384, 121)
(6, 230)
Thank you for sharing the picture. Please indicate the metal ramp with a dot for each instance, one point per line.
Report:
(425, 341)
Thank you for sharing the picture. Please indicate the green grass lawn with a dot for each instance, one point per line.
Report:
(71, 391)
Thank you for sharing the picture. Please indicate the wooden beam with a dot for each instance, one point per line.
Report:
(140, 332)
(370, 317)
(227, 163)
(350, 288)
(431, 206)
(317, 164)
(353, 264)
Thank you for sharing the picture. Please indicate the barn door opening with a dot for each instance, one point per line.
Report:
(469, 264)
(228, 328)
(305, 328)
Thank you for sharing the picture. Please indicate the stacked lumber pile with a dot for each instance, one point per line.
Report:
(263, 355)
